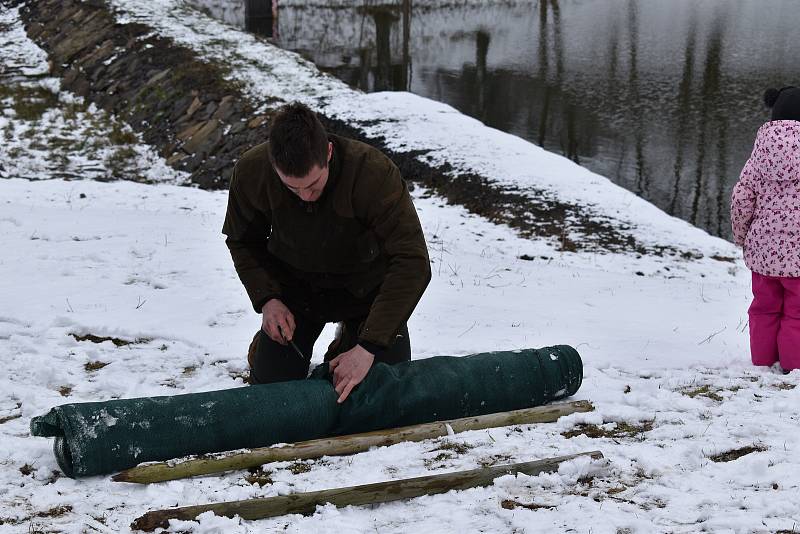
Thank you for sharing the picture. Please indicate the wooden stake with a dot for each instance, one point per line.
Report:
(342, 445)
(306, 503)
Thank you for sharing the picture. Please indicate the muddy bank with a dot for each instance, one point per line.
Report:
(200, 122)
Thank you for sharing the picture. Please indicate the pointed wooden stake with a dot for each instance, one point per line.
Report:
(393, 490)
(354, 443)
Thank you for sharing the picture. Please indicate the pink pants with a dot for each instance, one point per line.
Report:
(775, 321)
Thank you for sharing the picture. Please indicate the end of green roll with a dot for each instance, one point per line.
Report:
(563, 367)
(63, 456)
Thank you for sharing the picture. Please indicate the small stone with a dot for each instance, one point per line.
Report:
(101, 53)
(225, 109)
(35, 29)
(194, 106)
(70, 76)
(179, 106)
(176, 158)
(206, 114)
(258, 121)
(190, 131)
(81, 87)
(158, 77)
(205, 138)
(237, 128)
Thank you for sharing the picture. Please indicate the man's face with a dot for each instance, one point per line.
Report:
(309, 187)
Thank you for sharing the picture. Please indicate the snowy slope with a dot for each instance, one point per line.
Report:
(409, 122)
(665, 355)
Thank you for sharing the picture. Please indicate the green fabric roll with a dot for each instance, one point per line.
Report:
(448, 387)
(94, 438)
(102, 437)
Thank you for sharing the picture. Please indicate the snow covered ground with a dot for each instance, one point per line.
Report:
(663, 340)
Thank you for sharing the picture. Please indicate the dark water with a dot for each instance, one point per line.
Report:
(661, 96)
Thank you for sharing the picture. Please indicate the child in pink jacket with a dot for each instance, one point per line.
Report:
(765, 215)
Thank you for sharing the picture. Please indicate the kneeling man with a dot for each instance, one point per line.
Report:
(322, 229)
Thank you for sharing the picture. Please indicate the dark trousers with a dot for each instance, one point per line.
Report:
(272, 362)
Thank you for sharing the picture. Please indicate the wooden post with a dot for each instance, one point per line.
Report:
(393, 490)
(342, 445)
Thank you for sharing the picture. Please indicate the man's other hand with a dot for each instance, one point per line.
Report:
(277, 321)
(349, 369)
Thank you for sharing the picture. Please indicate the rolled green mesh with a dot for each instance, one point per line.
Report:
(102, 437)
(94, 438)
(449, 387)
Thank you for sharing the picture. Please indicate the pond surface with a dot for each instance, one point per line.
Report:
(662, 97)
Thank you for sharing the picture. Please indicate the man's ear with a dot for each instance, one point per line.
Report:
(330, 151)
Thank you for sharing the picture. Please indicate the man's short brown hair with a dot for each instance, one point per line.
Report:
(297, 140)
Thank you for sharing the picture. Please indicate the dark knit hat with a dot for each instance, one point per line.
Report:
(785, 103)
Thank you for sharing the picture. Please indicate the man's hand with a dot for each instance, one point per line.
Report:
(349, 369)
(277, 321)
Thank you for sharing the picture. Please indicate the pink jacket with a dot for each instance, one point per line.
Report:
(765, 204)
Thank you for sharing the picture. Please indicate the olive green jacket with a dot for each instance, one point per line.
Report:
(362, 235)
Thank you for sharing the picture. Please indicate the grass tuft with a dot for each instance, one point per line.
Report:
(621, 430)
(27, 470)
(509, 504)
(702, 391)
(118, 136)
(57, 511)
(458, 448)
(94, 366)
(259, 476)
(299, 468)
(115, 340)
(735, 454)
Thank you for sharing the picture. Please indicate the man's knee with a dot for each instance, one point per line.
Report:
(272, 362)
(251, 351)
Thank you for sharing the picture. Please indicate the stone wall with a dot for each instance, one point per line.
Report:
(199, 122)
